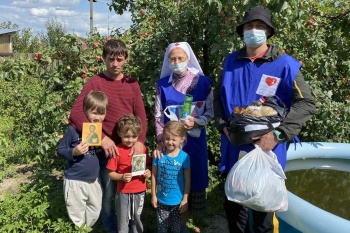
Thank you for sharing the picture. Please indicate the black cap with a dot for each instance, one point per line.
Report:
(255, 13)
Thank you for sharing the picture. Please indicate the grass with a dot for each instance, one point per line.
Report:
(54, 181)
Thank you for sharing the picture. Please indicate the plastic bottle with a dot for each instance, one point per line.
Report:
(186, 108)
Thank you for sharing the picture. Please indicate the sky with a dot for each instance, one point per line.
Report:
(73, 14)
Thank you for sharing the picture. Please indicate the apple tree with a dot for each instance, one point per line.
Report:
(316, 33)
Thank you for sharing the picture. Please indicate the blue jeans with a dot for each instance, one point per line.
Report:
(109, 186)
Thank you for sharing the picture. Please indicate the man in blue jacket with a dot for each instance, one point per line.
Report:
(255, 71)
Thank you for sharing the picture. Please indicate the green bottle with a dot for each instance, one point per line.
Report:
(186, 108)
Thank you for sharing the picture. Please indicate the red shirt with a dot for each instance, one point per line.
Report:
(124, 97)
(258, 56)
(122, 164)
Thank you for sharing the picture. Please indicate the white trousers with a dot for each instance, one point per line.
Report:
(83, 201)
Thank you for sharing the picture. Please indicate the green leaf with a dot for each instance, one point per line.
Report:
(285, 5)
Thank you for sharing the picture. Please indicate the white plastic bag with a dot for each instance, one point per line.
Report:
(258, 182)
(168, 112)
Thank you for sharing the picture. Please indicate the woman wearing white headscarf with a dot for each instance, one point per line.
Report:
(181, 75)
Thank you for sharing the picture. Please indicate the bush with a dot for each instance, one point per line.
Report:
(39, 207)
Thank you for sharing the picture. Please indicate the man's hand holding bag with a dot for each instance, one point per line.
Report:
(258, 182)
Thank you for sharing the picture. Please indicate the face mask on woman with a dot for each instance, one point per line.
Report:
(178, 68)
(254, 38)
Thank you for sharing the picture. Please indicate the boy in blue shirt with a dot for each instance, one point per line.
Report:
(82, 189)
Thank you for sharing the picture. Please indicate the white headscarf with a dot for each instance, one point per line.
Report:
(192, 66)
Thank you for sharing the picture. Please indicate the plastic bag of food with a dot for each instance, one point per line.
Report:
(257, 181)
(255, 120)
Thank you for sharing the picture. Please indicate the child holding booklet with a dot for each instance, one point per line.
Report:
(129, 199)
(81, 186)
(171, 179)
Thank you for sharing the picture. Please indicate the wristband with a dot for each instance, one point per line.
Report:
(278, 135)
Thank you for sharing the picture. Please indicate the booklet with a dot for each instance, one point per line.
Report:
(138, 164)
(92, 133)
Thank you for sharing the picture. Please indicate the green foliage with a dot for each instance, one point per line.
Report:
(8, 25)
(45, 88)
(74, 61)
(6, 129)
(25, 42)
(37, 208)
(16, 68)
(315, 33)
(13, 150)
(55, 31)
(19, 101)
(325, 63)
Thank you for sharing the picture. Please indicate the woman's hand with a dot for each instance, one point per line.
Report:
(157, 153)
(189, 123)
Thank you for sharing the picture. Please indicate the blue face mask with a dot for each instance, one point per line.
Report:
(254, 38)
(178, 68)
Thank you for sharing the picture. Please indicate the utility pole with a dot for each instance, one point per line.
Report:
(91, 15)
(108, 26)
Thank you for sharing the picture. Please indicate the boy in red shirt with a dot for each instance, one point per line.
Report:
(129, 199)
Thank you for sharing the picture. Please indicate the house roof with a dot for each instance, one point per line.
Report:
(6, 31)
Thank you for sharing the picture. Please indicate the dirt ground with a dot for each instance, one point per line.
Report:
(214, 224)
(12, 184)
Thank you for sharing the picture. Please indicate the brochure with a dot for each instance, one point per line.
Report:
(138, 164)
(92, 133)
